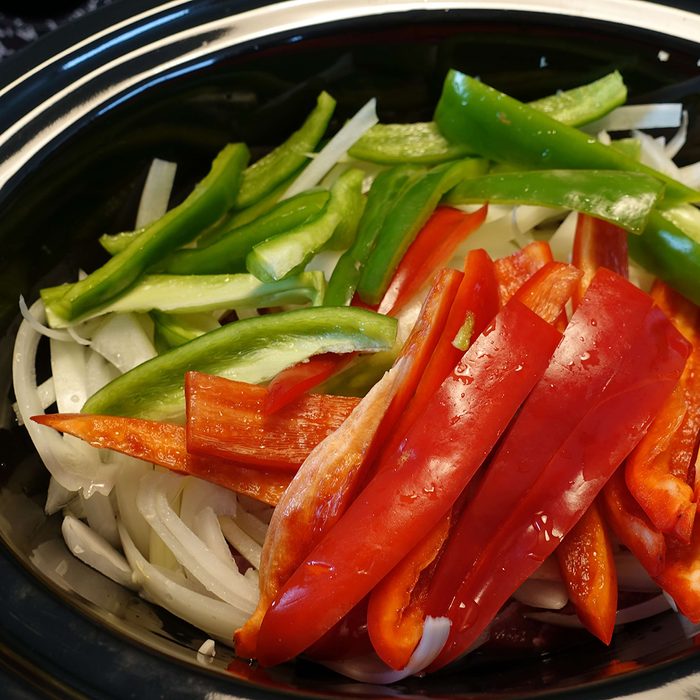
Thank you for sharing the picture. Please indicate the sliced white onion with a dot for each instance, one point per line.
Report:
(152, 500)
(562, 240)
(335, 149)
(526, 217)
(129, 474)
(68, 366)
(95, 551)
(244, 544)
(57, 497)
(206, 652)
(551, 595)
(252, 524)
(215, 617)
(64, 462)
(122, 340)
(101, 517)
(632, 576)
(98, 372)
(653, 154)
(370, 669)
(690, 175)
(156, 192)
(199, 505)
(649, 608)
(47, 397)
(678, 140)
(36, 316)
(648, 116)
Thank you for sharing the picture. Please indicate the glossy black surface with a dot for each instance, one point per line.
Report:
(64, 630)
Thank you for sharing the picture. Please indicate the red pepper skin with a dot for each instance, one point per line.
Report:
(419, 350)
(513, 271)
(587, 565)
(478, 294)
(548, 290)
(295, 381)
(660, 471)
(330, 478)
(431, 249)
(598, 243)
(164, 444)
(405, 500)
(603, 329)
(570, 481)
(679, 576)
(396, 609)
(225, 419)
(631, 525)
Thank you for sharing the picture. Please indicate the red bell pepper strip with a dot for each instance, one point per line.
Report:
(295, 381)
(430, 250)
(164, 444)
(514, 270)
(631, 525)
(225, 419)
(602, 330)
(396, 609)
(548, 290)
(330, 477)
(598, 243)
(405, 500)
(478, 295)
(570, 480)
(660, 471)
(680, 576)
(588, 569)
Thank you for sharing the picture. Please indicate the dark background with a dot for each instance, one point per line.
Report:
(23, 21)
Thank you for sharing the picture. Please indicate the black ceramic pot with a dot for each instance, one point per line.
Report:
(82, 114)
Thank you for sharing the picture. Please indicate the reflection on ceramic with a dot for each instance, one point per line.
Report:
(177, 80)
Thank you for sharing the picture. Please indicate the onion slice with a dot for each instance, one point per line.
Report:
(335, 149)
(370, 669)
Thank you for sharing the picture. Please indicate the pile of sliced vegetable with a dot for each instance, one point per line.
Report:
(364, 399)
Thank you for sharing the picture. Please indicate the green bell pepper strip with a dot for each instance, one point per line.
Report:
(114, 243)
(505, 130)
(228, 254)
(289, 252)
(623, 198)
(195, 293)
(670, 254)
(410, 211)
(252, 350)
(272, 169)
(422, 142)
(385, 190)
(585, 103)
(173, 330)
(210, 198)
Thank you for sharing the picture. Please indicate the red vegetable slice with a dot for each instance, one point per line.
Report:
(570, 480)
(602, 330)
(295, 381)
(514, 270)
(680, 576)
(478, 295)
(631, 526)
(597, 244)
(402, 502)
(164, 444)
(225, 419)
(396, 609)
(431, 249)
(660, 471)
(329, 479)
(548, 290)
(587, 565)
